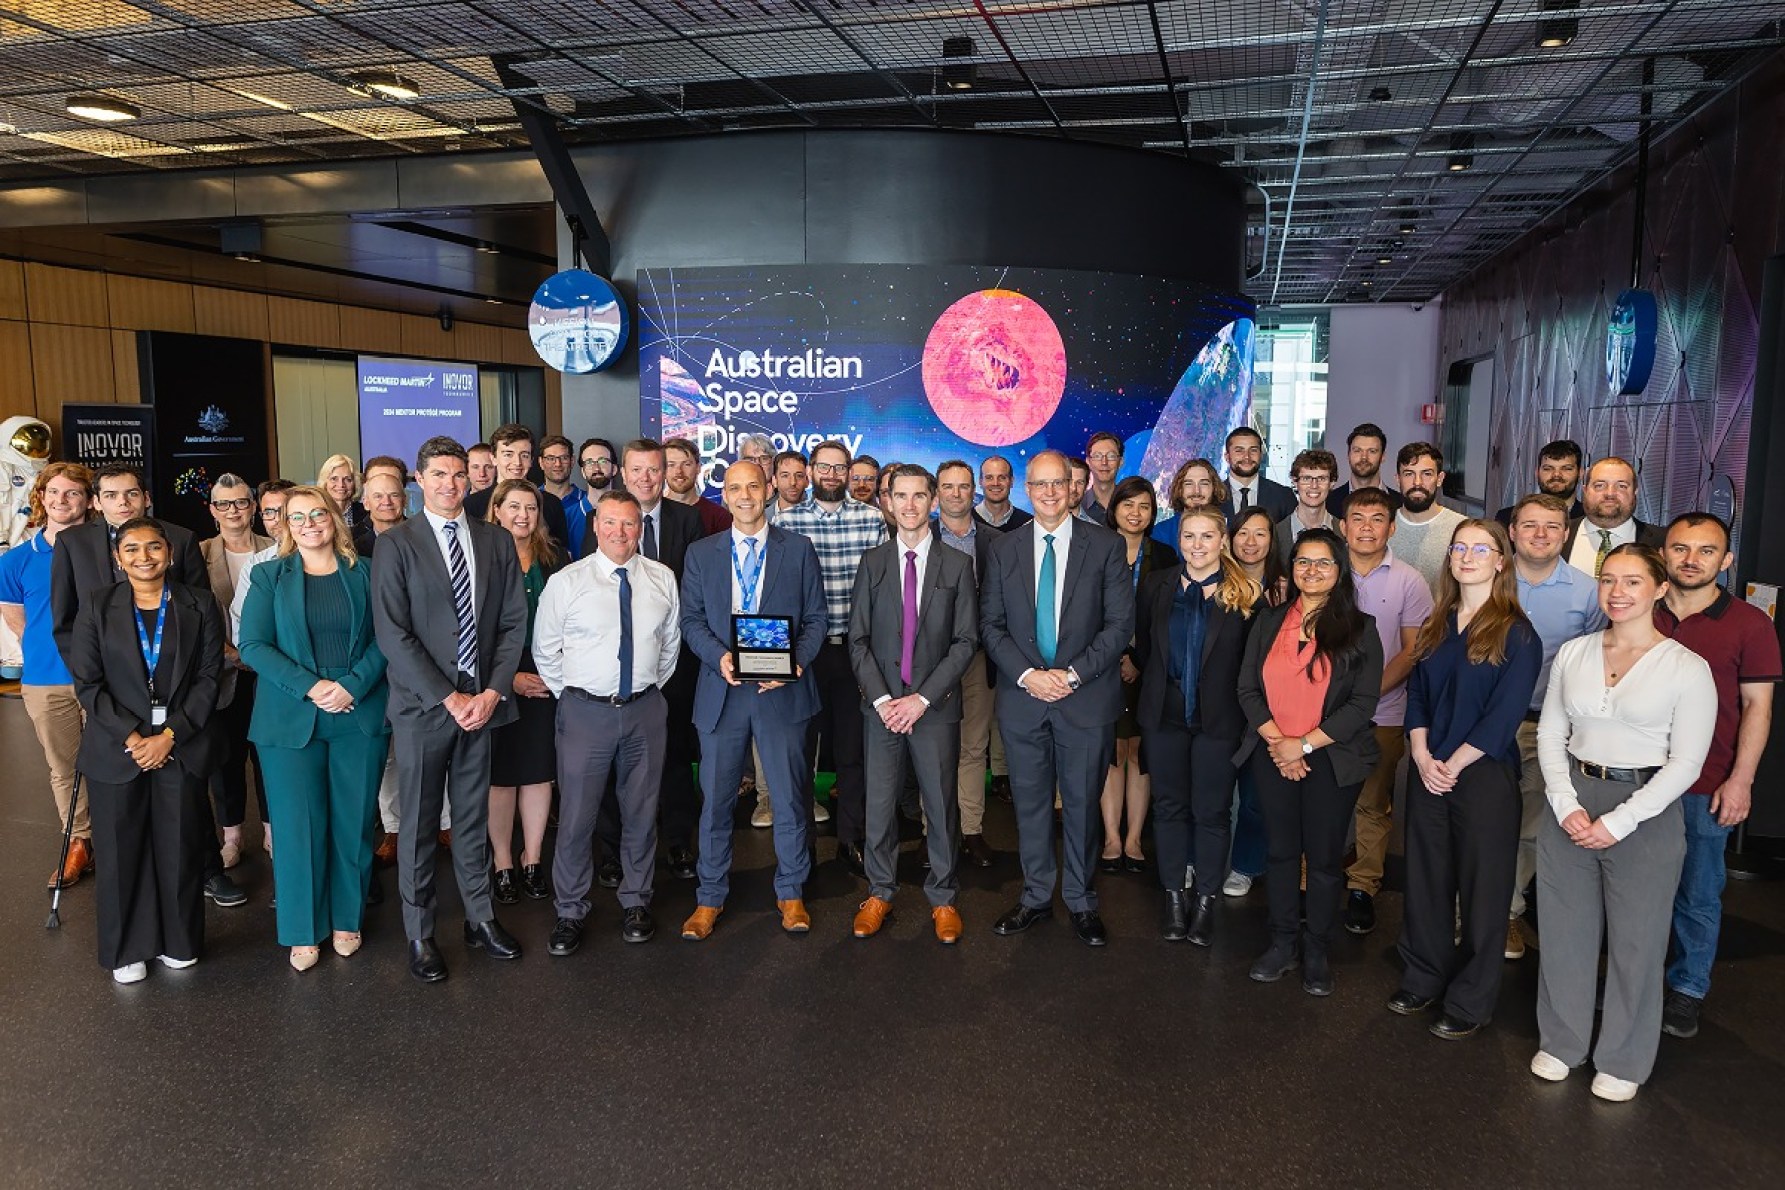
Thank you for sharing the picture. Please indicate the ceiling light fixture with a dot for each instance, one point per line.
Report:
(1385, 260)
(1462, 152)
(387, 84)
(957, 75)
(103, 108)
(487, 247)
(1554, 32)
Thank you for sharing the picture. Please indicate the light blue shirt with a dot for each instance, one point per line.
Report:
(1561, 607)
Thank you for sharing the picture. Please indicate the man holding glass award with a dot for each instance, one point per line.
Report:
(753, 611)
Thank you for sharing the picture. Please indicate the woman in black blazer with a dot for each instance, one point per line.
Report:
(1132, 510)
(1191, 625)
(146, 656)
(1309, 685)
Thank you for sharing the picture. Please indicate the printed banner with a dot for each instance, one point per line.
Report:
(98, 435)
(405, 402)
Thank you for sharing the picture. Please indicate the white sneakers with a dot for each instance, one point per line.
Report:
(131, 973)
(764, 815)
(175, 964)
(1548, 1067)
(1552, 1069)
(1237, 884)
(820, 812)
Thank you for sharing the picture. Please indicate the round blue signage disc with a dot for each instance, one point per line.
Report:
(578, 321)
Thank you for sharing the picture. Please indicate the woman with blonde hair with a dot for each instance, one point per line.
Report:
(1475, 664)
(307, 630)
(1191, 623)
(339, 478)
(524, 753)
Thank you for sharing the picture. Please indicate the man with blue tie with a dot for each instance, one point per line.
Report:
(755, 568)
(1056, 613)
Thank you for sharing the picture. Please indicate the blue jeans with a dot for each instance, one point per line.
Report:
(1698, 903)
(1247, 856)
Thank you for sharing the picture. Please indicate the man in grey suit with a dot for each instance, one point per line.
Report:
(1056, 612)
(451, 619)
(913, 630)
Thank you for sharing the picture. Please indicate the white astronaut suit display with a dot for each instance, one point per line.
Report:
(24, 452)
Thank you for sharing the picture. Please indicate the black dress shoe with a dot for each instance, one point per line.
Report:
(1109, 864)
(1021, 918)
(221, 891)
(489, 935)
(1274, 963)
(1202, 921)
(681, 863)
(851, 856)
(425, 962)
(504, 888)
(1137, 865)
(1176, 924)
(534, 883)
(1360, 912)
(1405, 1003)
(1452, 1028)
(567, 935)
(1088, 925)
(637, 925)
(1317, 974)
(609, 873)
(1001, 788)
(975, 851)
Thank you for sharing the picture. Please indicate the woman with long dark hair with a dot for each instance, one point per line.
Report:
(1309, 684)
(1191, 624)
(1127, 789)
(1475, 663)
(1252, 540)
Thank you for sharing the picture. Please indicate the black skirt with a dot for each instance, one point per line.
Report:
(525, 751)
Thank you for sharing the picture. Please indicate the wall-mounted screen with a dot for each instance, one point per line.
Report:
(920, 364)
(404, 402)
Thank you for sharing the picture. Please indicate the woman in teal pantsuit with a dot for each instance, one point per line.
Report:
(318, 722)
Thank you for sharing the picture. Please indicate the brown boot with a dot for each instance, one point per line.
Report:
(700, 923)
(80, 863)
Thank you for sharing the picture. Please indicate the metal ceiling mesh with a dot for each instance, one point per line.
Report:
(1399, 142)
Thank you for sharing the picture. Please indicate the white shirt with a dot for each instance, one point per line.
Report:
(740, 557)
(1586, 544)
(1062, 546)
(576, 631)
(1236, 486)
(439, 523)
(1660, 715)
(245, 581)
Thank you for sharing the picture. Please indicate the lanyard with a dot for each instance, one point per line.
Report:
(1138, 558)
(152, 652)
(747, 583)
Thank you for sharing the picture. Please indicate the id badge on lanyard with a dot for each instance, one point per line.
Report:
(152, 656)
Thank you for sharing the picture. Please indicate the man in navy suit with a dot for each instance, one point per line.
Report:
(1056, 613)
(1247, 486)
(758, 568)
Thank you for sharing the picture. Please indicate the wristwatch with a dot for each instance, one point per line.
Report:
(1307, 748)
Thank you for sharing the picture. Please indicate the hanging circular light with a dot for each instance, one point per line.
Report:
(103, 108)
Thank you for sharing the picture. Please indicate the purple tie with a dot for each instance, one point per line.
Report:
(908, 631)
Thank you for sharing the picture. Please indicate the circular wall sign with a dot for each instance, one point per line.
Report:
(1630, 342)
(578, 321)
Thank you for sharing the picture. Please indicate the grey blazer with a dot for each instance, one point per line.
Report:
(947, 626)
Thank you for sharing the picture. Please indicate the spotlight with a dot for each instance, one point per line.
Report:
(386, 84)
(102, 108)
(1385, 260)
(1462, 151)
(957, 75)
(1407, 229)
(1555, 32)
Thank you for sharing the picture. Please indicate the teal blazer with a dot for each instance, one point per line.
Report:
(275, 643)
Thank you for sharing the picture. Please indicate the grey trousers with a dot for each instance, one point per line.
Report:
(1534, 808)
(593, 740)
(932, 749)
(1623, 894)
(438, 764)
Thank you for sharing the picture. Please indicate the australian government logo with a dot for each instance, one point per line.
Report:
(214, 424)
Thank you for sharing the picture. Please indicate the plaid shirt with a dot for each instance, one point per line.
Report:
(841, 538)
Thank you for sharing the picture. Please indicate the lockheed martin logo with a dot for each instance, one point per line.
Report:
(213, 420)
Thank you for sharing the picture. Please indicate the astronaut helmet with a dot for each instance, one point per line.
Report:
(24, 442)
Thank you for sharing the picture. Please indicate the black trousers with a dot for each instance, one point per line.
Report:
(839, 720)
(229, 785)
(1462, 845)
(1306, 818)
(1193, 776)
(678, 801)
(150, 837)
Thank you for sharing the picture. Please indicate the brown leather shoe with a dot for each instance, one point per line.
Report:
(794, 918)
(700, 923)
(386, 853)
(871, 917)
(446, 839)
(948, 924)
(80, 863)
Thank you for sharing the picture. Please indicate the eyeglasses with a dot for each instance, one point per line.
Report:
(1048, 485)
(298, 520)
(1313, 480)
(556, 458)
(1103, 457)
(1318, 565)
(831, 468)
(241, 505)
(598, 464)
(1478, 551)
(272, 514)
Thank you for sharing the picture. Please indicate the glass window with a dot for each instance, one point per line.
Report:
(1289, 385)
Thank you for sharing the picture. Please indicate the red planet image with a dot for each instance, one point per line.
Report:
(994, 367)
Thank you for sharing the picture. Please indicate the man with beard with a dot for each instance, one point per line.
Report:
(1423, 526)
(1246, 488)
(1741, 645)
(681, 483)
(791, 482)
(1558, 474)
(957, 528)
(1080, 483)
(996, 510)
(841, 529)
(1610, 518)
(1364, 448)
(864, 480)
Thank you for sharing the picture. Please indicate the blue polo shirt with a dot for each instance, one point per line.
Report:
(1561, 607)
(577, 507)
(25, 580)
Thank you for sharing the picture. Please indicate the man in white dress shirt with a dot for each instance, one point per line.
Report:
(605, 639)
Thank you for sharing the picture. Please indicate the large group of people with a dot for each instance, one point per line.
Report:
(1579, 702)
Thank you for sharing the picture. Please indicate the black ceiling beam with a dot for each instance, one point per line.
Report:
(588, 237)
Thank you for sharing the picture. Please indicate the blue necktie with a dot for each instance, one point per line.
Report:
(461, 600)
(1047, 633)
(625, 633)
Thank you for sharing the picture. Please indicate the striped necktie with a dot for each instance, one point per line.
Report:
(461, 600)
(1604, 549)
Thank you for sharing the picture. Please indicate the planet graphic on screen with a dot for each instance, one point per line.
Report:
(994, 367)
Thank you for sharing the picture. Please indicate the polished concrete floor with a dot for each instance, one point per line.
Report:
(756, 1059)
